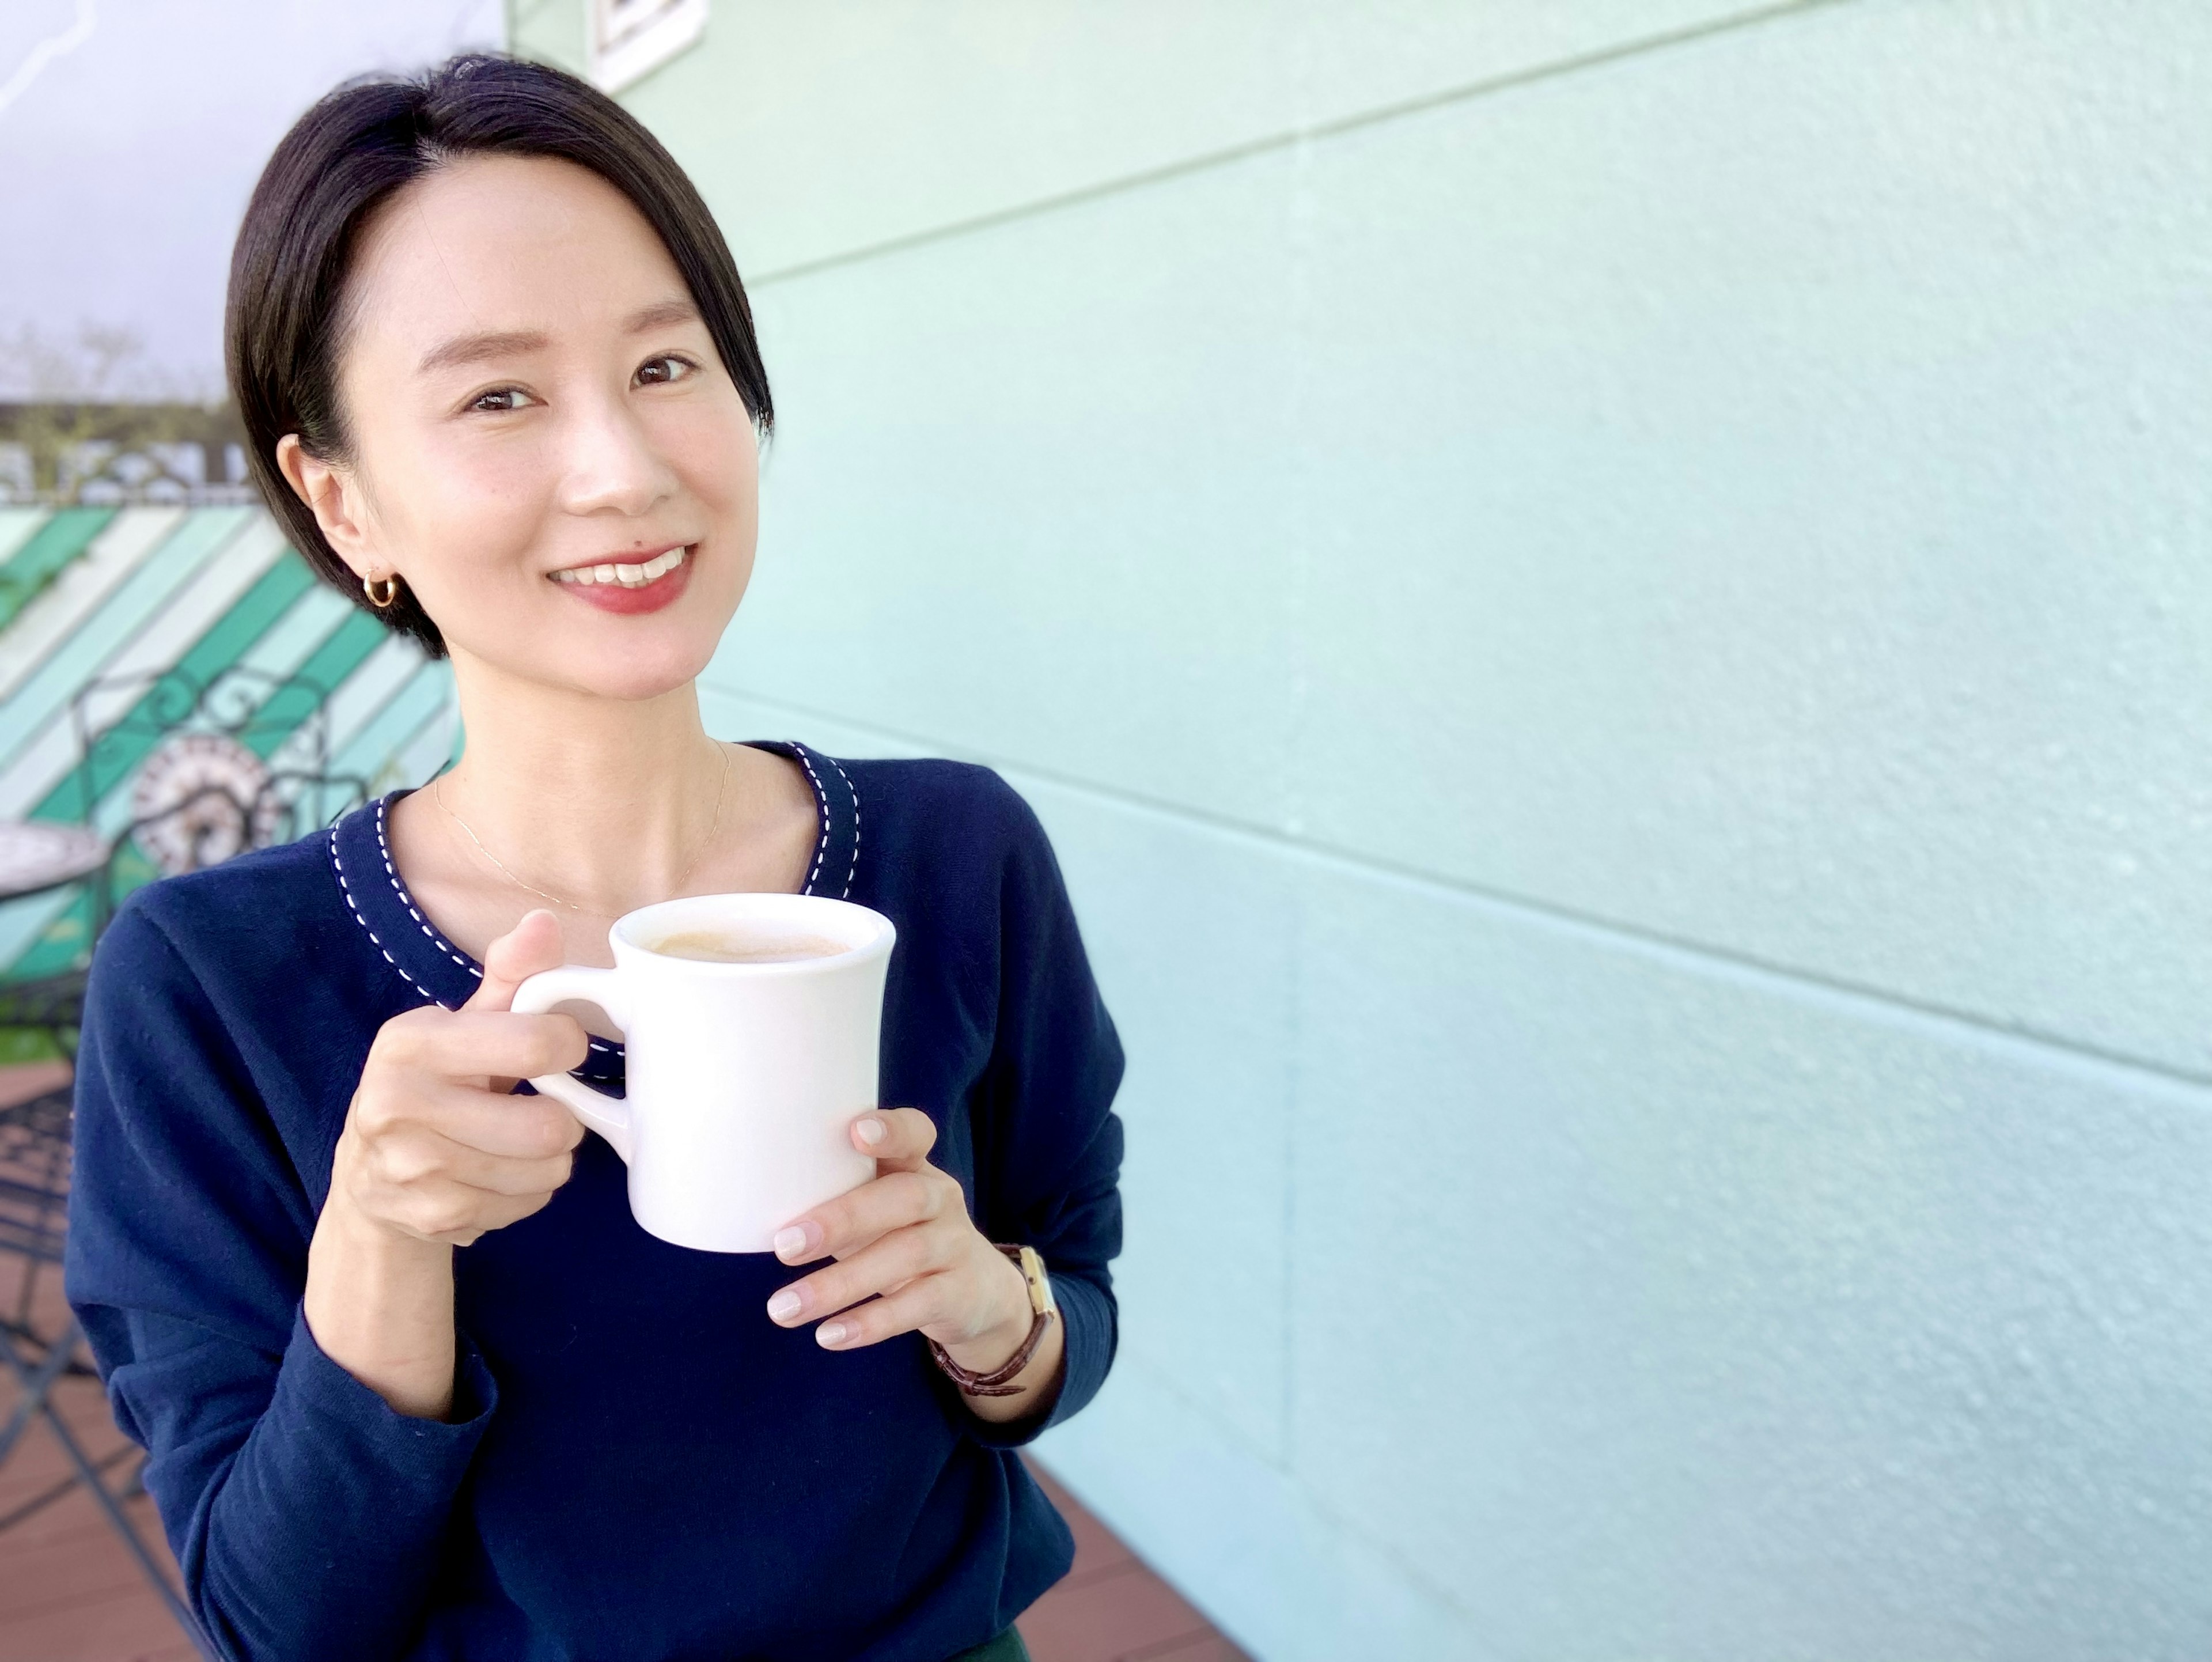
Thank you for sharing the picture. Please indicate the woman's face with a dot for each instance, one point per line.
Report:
(535, 408)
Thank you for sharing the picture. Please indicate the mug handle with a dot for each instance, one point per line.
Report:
(608, 1116)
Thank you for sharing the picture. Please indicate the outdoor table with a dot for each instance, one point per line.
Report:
(37, 855)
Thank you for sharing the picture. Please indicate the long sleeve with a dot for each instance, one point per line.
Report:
(307, 1515)
(1048, 1145)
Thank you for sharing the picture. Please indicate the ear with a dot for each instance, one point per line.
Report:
(334, 495)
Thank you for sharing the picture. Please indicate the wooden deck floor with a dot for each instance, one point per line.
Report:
(1111, 1608)
(70, 1592)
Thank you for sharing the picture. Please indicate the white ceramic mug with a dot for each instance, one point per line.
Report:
(743, 1079)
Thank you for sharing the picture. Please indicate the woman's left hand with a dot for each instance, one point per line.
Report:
(905, 1243)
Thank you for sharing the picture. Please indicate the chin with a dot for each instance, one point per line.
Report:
(617, 659)
(633, 675)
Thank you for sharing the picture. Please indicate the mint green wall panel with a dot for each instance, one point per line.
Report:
(1764, 504)
(1636, 1303)
(815, 130)
(1728, 1317)
(1242, 1537)
(988, 522)
(1196, 947)
(1440, 449)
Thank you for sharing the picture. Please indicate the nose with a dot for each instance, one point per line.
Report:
(610, 465)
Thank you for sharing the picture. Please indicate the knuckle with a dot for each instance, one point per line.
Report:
(381, 1103)
(551, 1043)
(555, 1130)
(404, 1039)
(921, 1251)
(381, 1158)
(928, 1197)
(575, 1043)
(372, 1115)
(426, 1215)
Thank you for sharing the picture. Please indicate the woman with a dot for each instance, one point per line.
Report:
(413, 1382)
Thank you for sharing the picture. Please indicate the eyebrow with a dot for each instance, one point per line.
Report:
(475, 349)
(659, 315)
(509, 343)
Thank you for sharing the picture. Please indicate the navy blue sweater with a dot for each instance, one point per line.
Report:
(639, 1463)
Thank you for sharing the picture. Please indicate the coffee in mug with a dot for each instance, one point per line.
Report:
(732, 946)
(750, 1024)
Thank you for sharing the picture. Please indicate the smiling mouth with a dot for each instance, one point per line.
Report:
(623, 575)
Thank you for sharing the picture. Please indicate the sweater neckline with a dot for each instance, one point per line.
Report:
(438, 972)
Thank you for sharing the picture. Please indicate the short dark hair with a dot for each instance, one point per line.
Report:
(286, 310)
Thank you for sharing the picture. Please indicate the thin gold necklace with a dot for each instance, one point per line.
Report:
(438, 794)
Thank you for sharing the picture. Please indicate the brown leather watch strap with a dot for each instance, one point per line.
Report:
(995, 1382)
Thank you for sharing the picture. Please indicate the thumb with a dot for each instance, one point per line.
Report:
(533, 944)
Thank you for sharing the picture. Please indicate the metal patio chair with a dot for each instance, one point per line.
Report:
(201, 794)
(34, 1168)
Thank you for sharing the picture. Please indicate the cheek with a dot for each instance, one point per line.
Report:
(468, 510)
(718, 459)
(488, 485)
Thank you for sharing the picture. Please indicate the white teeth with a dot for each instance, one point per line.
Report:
(628, 576)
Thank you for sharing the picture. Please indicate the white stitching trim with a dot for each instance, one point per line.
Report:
(383, 846)
(822, 803)
(346, 889)
(850, 871)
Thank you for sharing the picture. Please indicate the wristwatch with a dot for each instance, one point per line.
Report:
(1042, 1312)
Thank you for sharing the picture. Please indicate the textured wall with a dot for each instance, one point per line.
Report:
(1609, 605)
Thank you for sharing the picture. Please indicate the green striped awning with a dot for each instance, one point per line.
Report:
(128, 594)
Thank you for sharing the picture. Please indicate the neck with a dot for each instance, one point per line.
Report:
(605, 802)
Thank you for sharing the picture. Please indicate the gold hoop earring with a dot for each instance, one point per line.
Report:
(381, 602)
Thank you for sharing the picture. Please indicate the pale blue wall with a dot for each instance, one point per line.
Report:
(1608, 605)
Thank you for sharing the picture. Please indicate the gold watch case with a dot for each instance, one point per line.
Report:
(1031, 1264)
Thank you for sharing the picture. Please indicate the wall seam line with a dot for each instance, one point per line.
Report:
(1324, 1509)
(1706, 955)
(1230, 155)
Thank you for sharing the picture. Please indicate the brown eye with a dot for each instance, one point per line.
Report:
(500, 400)
(658, 372)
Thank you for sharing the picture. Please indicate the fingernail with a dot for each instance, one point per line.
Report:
(790, 1242)
(832, 1333)
(784, 1305)
(872, 1131)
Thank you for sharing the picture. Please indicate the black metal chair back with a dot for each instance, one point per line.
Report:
(281, 804)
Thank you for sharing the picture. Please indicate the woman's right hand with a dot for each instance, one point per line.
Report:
(434, 1147)
(435, 1151)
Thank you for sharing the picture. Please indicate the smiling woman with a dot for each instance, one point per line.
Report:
(480, 506)
(413, 1381)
